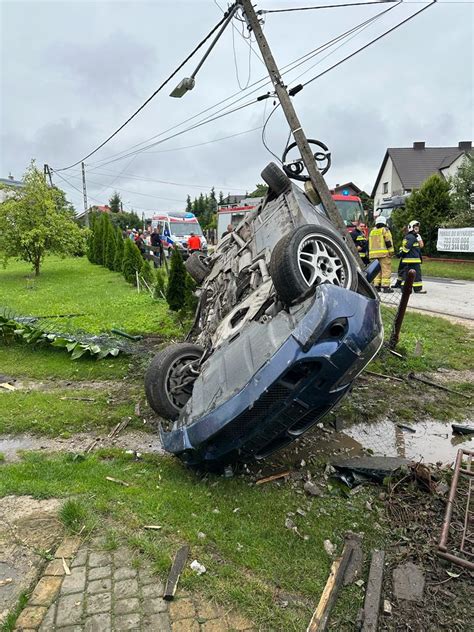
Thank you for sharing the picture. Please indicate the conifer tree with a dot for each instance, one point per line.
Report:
(132, 261)
(119, 246)
(176, 291)
(146, 273)
(98, 240)
(161, 283)
(110, 245)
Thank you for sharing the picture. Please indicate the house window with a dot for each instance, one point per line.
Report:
(385, 187)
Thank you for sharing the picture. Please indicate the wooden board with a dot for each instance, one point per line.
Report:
(175, 572)
(374, 591)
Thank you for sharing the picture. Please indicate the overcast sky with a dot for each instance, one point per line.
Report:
(72, 71)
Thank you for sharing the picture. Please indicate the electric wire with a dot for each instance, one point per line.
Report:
(207, 142)
(237, 66)
(163, 84)
(323, 6)
(376, 39)
(286, 69)
(264, 128)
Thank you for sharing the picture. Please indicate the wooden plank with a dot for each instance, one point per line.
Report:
(320, 619)
(272, 477)
(175, 572)
(374, 592)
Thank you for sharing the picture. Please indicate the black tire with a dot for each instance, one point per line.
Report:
(276, 179)
(197, 267)
(292, 275)
(159, 376)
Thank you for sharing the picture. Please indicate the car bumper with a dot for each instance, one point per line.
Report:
(308, 374)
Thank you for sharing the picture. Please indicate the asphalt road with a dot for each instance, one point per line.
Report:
(449, 297)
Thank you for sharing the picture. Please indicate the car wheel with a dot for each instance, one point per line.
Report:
(276, 179)
(197, 267)
(170, 378)
(309, 256)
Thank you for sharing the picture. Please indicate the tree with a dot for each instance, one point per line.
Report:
(221, 198)
(110, 244)
(189, 205)
(430, 205)
(368, 205)
(125, 220)
(98, 253)
(146, 273)
(176, 291)
(36, 220)
(260, 190)
(132, 261)
(115, 203)
(462, 195)
(119, 247)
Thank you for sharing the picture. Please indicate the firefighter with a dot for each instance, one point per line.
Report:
(361, 243)
(381, 248)
(401, 266)
(410, 255)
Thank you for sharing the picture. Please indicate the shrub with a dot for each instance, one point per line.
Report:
(110, 245)
(119, 247)
(161, 283)
(98, 240)
(176, 291)
(132, 261)
(190, 300)
(146, 273)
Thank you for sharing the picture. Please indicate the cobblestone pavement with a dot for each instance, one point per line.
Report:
(112, 591)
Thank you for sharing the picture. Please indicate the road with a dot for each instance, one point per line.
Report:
(449, 297)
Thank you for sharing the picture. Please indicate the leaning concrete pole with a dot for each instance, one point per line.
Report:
(316, 179)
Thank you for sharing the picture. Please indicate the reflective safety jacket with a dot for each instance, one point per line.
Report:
(380, 243)
(360, 241)
(410, 249)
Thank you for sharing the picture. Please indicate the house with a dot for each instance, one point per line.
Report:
(404, 169)
(11, 183)
(349, 188)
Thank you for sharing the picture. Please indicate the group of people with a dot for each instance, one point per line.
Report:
(379, 246)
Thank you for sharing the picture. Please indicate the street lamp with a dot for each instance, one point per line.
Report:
(188, 83)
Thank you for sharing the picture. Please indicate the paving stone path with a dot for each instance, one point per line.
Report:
(112, 591)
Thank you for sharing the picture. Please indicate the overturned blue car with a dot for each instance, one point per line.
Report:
(284, 324)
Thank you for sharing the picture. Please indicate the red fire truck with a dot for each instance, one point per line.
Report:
(351, 209)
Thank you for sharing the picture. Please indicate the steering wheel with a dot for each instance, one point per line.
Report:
(294, 169)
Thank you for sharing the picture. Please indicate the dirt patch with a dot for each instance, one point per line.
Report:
(24, 384)
(29, 528)
(11, 446)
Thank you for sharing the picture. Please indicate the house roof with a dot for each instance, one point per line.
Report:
(414, 165)
(347, 185)
(11, 183)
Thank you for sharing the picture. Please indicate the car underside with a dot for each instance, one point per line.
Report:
(285, 322)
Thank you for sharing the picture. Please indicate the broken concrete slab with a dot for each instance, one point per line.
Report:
(355, 565)
(372, 467)
(408, 582)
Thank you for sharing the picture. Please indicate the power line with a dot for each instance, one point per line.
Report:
(286, 69)
(207, 142)
(323, 6)
(376, 39)
(165, 82)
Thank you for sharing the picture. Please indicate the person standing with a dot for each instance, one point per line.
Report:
(410, 255)
(361, 243)
(194, 243)
(398, 283)
(381, 248)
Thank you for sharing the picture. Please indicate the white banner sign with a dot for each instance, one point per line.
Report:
(455, 240)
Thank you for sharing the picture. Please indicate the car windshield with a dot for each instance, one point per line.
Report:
(183, 229)
(349, 209)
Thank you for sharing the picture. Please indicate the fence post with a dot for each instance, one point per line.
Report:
(402, 308)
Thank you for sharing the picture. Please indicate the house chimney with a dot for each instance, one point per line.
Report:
(419, 145)
(465, 144)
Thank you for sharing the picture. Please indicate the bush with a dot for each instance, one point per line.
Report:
(146, 273)
(98, 240)
(110, 245)
(161, 283)
(191, 300)
(132, 261)
(119, 247)
(176, 291)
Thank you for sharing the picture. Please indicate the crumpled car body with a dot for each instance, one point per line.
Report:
(284, 324)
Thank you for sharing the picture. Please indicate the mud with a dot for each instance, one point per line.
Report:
(11, 446)
(29, 528)
(24, 384)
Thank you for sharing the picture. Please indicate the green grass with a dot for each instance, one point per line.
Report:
(444, 269)
(45, 413)
(443, 344)
(75, 515)
(248, 551)
(75, 286)
(9, 623)
(22, 360)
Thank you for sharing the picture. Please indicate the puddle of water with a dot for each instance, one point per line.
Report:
(431, 442)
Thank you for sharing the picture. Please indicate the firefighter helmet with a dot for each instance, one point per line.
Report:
(412, 224)
(381, 220)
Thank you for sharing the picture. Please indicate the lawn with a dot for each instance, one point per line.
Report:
(443, 269)
(97, 299)
(235, 529)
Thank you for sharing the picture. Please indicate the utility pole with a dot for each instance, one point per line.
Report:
(316, 179)
(47, 174)
(84, 192)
